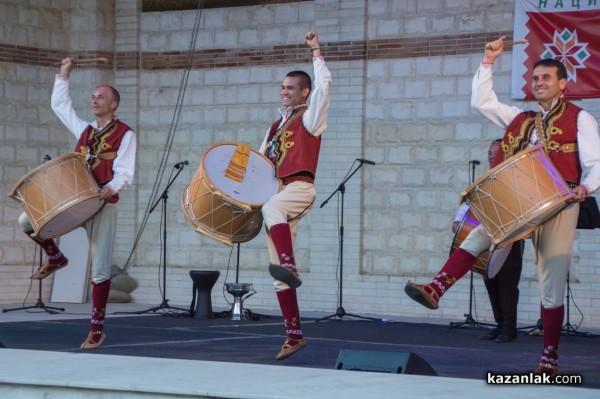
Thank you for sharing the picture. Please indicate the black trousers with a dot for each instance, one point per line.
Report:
(503, 290)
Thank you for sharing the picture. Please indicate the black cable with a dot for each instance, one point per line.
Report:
(171, 134)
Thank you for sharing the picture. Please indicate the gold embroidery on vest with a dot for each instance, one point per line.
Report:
(285, 134)
(99, 143)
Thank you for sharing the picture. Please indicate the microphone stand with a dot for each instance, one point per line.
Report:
(39, 304)
(469, 319)
(164, 196)
(341, 312)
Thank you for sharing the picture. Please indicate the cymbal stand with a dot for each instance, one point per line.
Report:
(236, 310)
(341, 312)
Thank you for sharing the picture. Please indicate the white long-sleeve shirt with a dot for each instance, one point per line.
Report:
(315, 117)
(124, 163)
(484, 99)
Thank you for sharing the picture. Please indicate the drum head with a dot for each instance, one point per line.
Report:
(496, 261)
(259, 183)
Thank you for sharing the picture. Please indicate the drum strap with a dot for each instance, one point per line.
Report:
(298, 216)
(541, 132)
(539, 126)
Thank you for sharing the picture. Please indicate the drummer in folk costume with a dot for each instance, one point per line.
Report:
(569, 135)
(109, 147)
(292, 144)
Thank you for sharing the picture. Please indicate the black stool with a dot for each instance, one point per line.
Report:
(204, 280)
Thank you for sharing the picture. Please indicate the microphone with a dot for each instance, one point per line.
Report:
(181, 164)
(475, 162)
(365, 161)
(47, 158)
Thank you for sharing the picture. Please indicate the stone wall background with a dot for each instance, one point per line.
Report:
(402, 72)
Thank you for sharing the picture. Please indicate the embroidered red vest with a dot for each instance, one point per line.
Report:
(296, 150)
(560, 128)
(100, 149)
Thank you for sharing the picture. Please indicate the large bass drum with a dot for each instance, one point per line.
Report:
(58, 196)
(514, 198)
(222, 207)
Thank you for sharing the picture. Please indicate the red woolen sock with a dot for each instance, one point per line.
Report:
(455, 267)
(281, 236)
(99, 299)
(50, 248)
(288, 302)
(552, 320)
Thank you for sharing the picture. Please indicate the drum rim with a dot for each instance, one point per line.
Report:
(41, 167)
(70, 229)
(553, 208)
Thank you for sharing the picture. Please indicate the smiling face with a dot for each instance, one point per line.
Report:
(103, 103)
(546, 86)
(291, 92)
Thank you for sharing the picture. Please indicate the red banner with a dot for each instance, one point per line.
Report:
(568, 31)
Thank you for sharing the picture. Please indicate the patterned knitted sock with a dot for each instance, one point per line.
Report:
(455, 267)
(552, 319)
(288, 302)
(50, 248)
(99, 299)
(281, 236)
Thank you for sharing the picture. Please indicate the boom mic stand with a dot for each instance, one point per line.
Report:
(164, 196)
(341, 312)
(39, 304)
(469, 319)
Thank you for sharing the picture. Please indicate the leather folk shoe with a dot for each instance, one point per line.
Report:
(286, 275)
(49, 268)
(90, 343)
(419, 293)
(290, 347)
(546, 368)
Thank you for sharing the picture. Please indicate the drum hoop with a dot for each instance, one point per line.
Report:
(245, 205)
(41, 167)
(497, 168)
(36, 233)
(554, 208)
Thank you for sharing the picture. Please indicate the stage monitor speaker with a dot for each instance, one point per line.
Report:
(383, 362)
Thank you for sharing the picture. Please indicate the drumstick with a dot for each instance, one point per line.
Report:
(85, 61)
(508, 44)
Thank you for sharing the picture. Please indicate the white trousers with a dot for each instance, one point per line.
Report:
(101, 235)
(287, 206)
(553, 243)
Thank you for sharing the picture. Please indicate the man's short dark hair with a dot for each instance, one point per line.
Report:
(305, 81)
(115, 94)
(561, 70)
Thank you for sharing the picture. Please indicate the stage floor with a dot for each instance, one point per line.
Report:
(451, 352)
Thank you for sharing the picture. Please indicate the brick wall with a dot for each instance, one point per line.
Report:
(400, 97)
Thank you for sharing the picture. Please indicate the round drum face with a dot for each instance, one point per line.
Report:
(259, 183)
